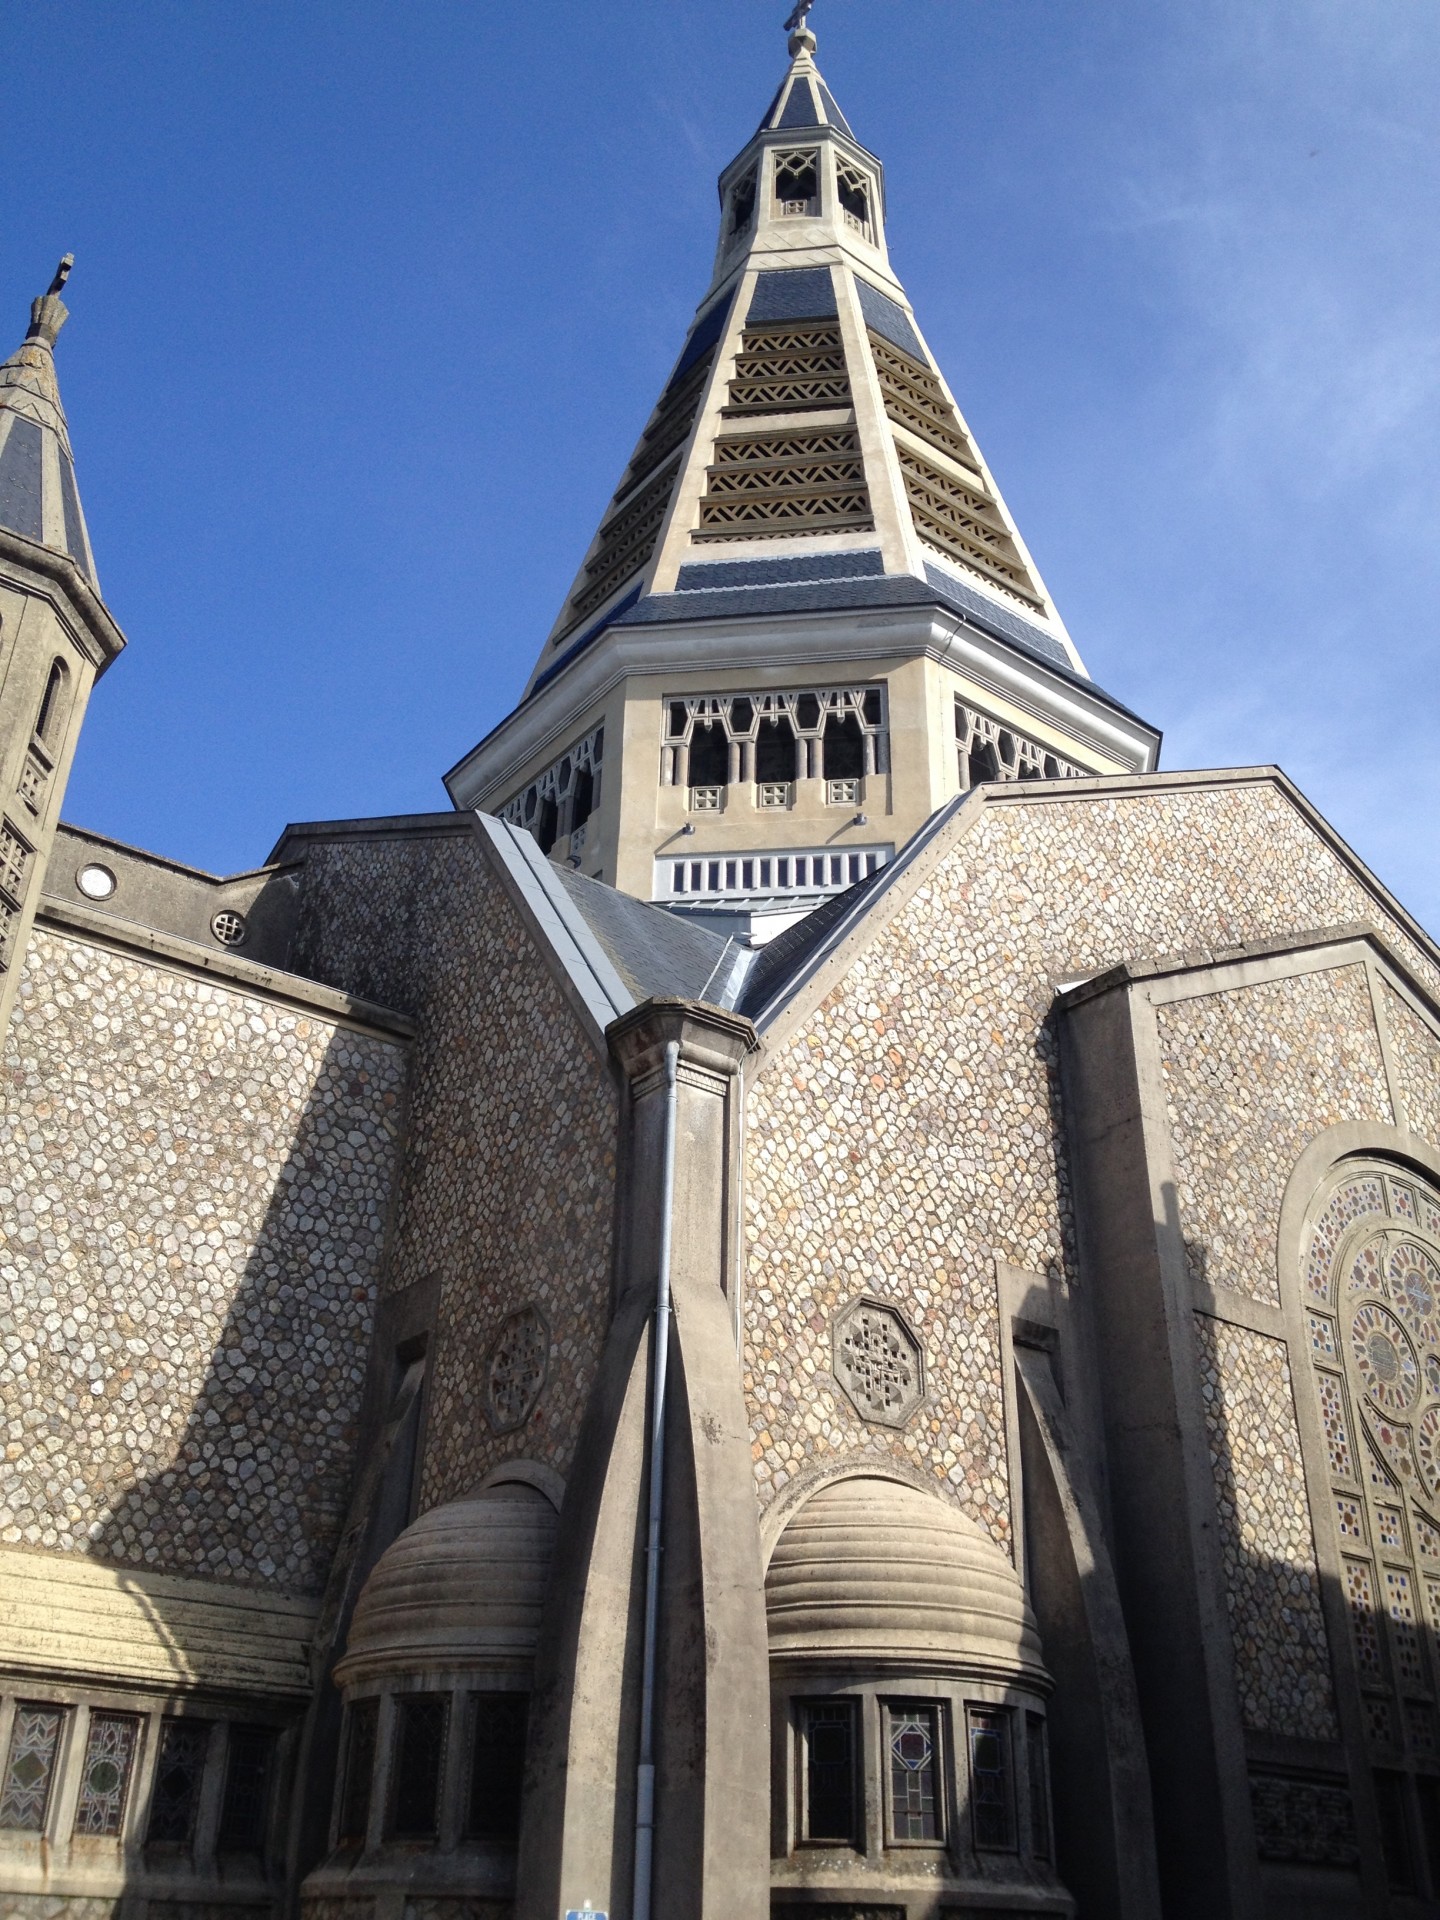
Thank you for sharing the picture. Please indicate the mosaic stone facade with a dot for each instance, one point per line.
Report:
(906, 1134)
(510, 1175)
(197, 1183)
(1415, 1050)
(1282, 1655)
(1309, 1057)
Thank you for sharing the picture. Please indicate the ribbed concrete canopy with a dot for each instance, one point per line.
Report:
(463, 1586)
(871, 1571)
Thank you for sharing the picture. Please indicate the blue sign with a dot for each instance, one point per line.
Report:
(587, 1912)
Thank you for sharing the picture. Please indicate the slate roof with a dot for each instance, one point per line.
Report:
(38, 495)
(804, 100)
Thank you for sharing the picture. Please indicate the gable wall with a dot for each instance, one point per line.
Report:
(906, 1133)
(509, 1183)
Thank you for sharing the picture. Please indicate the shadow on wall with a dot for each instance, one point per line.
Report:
(255, 1492)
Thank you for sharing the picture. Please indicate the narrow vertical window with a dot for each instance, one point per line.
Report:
(48, 717)
(1037, 1762)
(913, 1741)
(830, 1768)
(497, 1766)
(179, 1770)
(359, 1769)
(991, 1808)
(105, 1779)
(30, 1767)
(419, 1763)
(246, 1799)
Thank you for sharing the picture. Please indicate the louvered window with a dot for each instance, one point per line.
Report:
(787, 369)
(786, 483)
(627, 539)
(915, 399)
(954, 514)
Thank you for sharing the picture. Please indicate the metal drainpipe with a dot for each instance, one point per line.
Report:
(660, 1354)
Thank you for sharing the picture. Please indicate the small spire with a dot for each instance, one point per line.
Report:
(49, 313)
(802, 40)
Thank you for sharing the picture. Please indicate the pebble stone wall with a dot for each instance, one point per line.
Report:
(1415, 1049)
(1282, 1654)
(906, 1133)
(1309, 1057)
(197, 1182)
(510, 1176)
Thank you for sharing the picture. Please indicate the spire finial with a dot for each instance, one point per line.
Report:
(49, 313)
(802, 40)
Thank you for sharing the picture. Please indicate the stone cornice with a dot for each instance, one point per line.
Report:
(796, 643)
(227, 969)
(52, 575)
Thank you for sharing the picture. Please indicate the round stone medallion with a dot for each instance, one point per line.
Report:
(1415, 1289)
(1384, 1359)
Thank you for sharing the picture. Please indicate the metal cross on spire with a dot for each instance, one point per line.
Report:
(798, 15)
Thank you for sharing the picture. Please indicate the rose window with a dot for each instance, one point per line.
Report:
(1372, 1313)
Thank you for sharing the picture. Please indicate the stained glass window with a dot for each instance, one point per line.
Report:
(831, 1751)
(1374, 1262)
(913, 1741)
(30, 1766)
(245, 1801)
(991, 1809)
(1038, 1761)
(421, 1724)
(359, 1769)
(105, 1778)
(497, 1766)
(179, 1769)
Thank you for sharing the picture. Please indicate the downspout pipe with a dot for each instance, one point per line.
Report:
(659, 1363)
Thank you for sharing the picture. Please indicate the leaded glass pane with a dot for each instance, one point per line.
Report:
(914, 1773)
(105, 1779)
(30, 1767)
(245, 1802)
(359, 1769)
(830, 1765)
(179, 1769)
(497, 1766)
(990, 1798)
(420, 1730)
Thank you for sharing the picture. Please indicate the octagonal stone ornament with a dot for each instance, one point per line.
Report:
(878, 1361)
(515, 1369)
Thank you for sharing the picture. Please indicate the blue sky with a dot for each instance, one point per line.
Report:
(372, 300)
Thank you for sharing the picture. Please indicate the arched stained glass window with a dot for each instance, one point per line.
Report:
(1371, 1299)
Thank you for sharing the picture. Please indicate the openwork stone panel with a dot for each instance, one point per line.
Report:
(1251, 1077)
(906, 1134)
(509, 1182)
(1311, 1822)
(1415, 1049)
(1272, 1582)
(879, 1362)
(197, 1183)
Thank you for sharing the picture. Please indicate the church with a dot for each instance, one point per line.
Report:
(821, 1302)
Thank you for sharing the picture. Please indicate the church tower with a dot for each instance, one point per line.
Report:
(807, 618)
(56, 634)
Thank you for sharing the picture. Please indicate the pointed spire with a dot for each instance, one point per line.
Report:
(38, 496)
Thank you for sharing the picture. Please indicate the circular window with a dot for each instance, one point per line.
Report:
(96, 883)
(228, 928)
